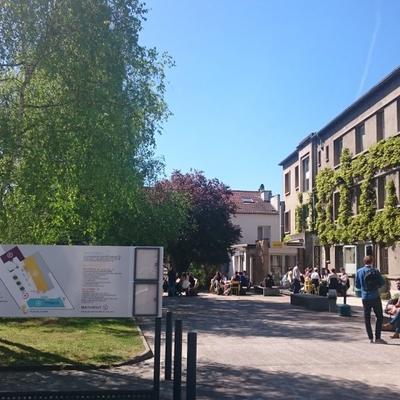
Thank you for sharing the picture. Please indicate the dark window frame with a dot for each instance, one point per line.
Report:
(337, 150)
(360, 138)
(380, 125)
(287, 182)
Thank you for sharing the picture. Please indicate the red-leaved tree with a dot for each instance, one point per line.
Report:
(209, 232)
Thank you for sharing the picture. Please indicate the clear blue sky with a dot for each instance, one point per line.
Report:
(254, 77)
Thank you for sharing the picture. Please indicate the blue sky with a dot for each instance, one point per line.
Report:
(254, 77)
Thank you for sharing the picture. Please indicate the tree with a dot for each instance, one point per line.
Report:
(80, 103)
(209, 232)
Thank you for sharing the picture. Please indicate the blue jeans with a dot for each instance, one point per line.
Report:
(396, 322)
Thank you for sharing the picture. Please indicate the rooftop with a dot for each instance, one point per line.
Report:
(250, 202)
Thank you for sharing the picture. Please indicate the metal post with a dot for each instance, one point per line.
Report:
(168, 346)
(191, 366)
(157, 351)
(178, 360)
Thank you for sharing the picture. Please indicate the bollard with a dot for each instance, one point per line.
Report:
(191, 366)
(178, 360)
(157, 351)
(168, 346)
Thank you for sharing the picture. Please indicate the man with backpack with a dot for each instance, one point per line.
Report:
(369, 280)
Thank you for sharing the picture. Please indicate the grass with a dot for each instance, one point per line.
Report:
(66, 342)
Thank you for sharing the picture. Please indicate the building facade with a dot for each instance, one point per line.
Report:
(260, 251)
(371, 121)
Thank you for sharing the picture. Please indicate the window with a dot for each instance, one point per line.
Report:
(337, 149)
(319, 158)
(287, 221)
(360, 138)
(305, 164)
(339, 255)
(380, 195)
(296, 178)
(380, 125)
(398, 115)
(287, 182)
(356, 200)
(336, 202)
(247, 200)
(264, 232)
(383, 259)
(327, 153)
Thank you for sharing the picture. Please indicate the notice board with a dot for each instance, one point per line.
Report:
(80, 281)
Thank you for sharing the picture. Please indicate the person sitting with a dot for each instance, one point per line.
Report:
(268, 281)
(393, 309)
(285, 281)
(183, 284)
(192, 291)
(315, 279)
(217, 284)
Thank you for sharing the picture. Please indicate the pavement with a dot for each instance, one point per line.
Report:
(254, 347)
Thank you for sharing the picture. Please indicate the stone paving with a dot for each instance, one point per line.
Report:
(255, 347)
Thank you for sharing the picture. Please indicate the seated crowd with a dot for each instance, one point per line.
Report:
(314, 282)
(238, 284)
(184, 283)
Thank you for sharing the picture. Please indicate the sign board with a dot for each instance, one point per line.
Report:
(295, 243)
(276, 245)
(80, 281)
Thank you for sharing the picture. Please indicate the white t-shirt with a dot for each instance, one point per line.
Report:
(314, 275)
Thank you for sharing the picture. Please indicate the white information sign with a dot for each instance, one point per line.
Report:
(80, 281)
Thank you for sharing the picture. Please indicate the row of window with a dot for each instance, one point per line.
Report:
(305, 176)
(360, 146)
(360, 141)
(380, 187)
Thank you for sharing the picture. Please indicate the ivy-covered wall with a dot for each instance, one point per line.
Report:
(368, 224)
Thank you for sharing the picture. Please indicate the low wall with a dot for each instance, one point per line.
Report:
(310, 301)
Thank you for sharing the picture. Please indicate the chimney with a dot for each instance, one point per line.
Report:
(265, 195)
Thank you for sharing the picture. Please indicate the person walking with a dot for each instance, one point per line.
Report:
(369, 280)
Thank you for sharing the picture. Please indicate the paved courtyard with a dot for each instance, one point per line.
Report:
(254, 347)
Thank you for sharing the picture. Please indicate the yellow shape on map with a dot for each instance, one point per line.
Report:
(36, 273)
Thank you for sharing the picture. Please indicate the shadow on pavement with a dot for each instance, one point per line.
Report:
(252, 317)
(252, 383)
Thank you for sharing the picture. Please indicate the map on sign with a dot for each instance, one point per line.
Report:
(30, 281)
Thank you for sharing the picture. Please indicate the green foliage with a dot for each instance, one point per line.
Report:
(80, 104)
(325, 184)
(383, 226)
(386, 224)
(301, 214)
(345, 196)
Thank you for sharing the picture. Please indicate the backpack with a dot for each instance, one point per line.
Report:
(371, 280)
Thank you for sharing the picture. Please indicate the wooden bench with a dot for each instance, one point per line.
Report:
(310, 301)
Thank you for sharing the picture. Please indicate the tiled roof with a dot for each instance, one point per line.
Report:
(248, 202)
